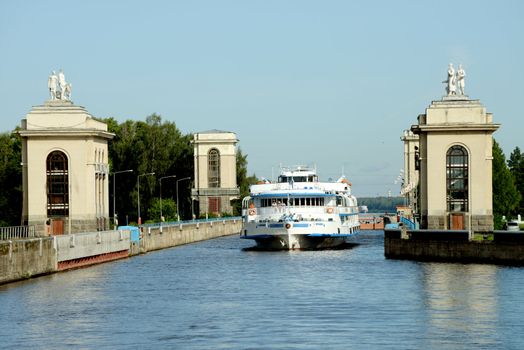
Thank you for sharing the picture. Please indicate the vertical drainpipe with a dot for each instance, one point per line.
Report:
(70, 197)
(197, 175)
(469, 198)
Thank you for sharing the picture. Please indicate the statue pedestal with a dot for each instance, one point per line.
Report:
(455, 98)
(58, 103)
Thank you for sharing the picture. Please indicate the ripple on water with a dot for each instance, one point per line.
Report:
(220, 294)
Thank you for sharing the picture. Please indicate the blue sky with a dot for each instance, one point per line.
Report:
(331, 83)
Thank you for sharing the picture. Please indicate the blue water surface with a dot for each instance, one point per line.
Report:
(218, 295)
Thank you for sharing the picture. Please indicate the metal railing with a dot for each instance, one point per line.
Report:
(16, 232)
(408, 223)
(196, 221)
(215, 191)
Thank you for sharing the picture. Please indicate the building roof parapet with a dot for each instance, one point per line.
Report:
(215, 136)
(66, 133)
(59, 114)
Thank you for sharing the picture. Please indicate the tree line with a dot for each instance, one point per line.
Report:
(158, 146)
(508, 185)
(381, 204)
(10, 179)
(143, 147)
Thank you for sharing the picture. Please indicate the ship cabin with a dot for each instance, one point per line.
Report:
(299, 175)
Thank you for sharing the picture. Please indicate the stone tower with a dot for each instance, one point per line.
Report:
(455, 145)
(65, 169)
(215, 182)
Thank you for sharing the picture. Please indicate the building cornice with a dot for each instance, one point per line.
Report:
(66, 133)
(424, 128)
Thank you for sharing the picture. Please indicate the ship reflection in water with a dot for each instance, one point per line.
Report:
(218, 294)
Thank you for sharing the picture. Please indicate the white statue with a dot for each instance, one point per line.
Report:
(52, 83)
(62, 84)
(66, 94)
(451, 88)
(460, 79)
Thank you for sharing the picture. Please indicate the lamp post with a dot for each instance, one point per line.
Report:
(192, 205)
(164, 177)
(177, 181)
(139, 218)
(114, 194)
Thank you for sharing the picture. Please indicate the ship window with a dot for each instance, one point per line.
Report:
(457, 179)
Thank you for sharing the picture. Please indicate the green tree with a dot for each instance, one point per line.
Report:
(381, 204)
(10, 179)
(516, 166)
(168, 210)
(145, 147)
(243, 181)
(505, 195)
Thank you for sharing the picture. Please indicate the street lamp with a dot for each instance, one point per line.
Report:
(177, 181)
(114, 194)
(139, 218)
(165, 177)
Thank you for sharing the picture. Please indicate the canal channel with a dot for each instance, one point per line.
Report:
(219, 294)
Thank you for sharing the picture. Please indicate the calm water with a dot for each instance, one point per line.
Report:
(216, 295)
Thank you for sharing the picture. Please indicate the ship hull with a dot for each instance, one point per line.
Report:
(298, 242)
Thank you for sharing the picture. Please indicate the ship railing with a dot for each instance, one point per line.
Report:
(16, 232)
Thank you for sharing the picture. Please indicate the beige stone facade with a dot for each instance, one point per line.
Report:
(409, 188)
(65, 169)
(215, 182)
(455, 165)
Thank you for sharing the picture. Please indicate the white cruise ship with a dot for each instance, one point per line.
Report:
(299, 212)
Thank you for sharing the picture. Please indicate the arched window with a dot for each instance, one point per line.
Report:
(57, 184)
(213, 168)
(457, 179)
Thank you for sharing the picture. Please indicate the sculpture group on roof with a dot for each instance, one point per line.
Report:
(59, 89)
(455, 79)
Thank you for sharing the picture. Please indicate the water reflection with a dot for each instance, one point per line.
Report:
(64, 303)
(461, 301)
(215, 294)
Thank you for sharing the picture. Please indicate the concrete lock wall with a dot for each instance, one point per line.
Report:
(154, 238)
(26, 258)
(82, 245)
(448, 250)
